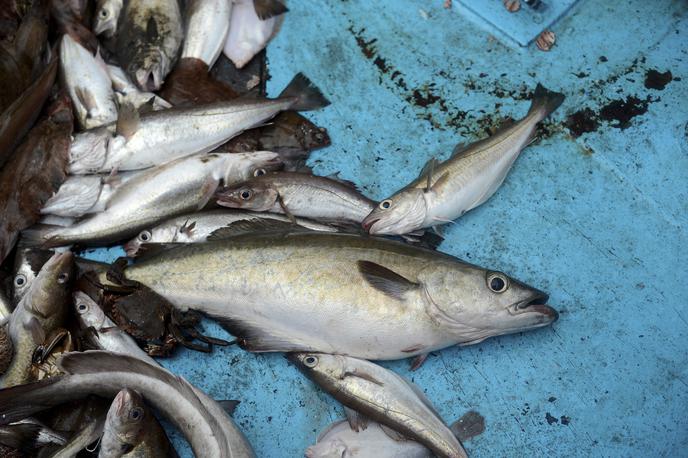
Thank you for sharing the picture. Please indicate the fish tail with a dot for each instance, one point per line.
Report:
(41, 235)
(22, 436)
(308, 96)
(265, 9)
(545, 101)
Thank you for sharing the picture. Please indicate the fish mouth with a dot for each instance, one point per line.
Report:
(368, 223)
(537, 304)
(131, 248)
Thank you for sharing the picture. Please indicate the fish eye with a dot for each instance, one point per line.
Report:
(103, 13)
(310, 361)
(81, 308)
(498, 282)
(136, 413)
(20, 280)
(145, 236)
(385, 204)
(246, 194)
(62, 278)
(259, 172)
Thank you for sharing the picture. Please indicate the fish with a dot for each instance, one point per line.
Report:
(127, 92)
(375, 298)
(88, 84)
(80, 195)
(91, 431)
(148, 40)
(5, 308)
(42, 310)
(27, 264)
(248, 33)
(102, 333)
(106, 17)
(6, 349)
(69, 18)
(34, 173)
(30, 435)
(19, 117)
(339, 439)
(266, 9)
(131, 429)
(177, 187)
(198, 227)
(30, 42)
(299, 194)
(190, 84)
(207, 25)
(202, 421)
(445, 191)
(162, 136)
(372, 391)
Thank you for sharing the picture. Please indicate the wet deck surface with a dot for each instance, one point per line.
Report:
(594, 212)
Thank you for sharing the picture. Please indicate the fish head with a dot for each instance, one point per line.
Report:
(106, 17)
(312, 136)
(150, 70)
(241, 167)
(90, 314)
(48, 294)
(479, 303)
(402, 213)
(28, 263)
(162, 234)
(124, 423)
(320, 367)
(250, 195)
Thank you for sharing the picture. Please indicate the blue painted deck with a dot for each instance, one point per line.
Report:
(598, 220)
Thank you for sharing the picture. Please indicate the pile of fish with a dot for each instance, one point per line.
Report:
(145, 123)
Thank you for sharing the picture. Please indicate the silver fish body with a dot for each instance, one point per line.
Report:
(107, 16)
(150, 34)
(162, 136)
(196, 227)
(210, 431)
(339, 439)
(88, 84)
(445, 191)
(159, 193)
(300, 194)
(365, 297)
(207, 25)
(42, 309)
(383, 396)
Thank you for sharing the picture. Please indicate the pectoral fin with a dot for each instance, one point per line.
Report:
(386, 280)
(357, 421)
(128, 120)
(392, 434)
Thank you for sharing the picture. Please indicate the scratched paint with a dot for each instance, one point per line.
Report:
(595, 216)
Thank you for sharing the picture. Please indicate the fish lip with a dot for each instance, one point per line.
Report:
(368, 223)
(131, 249)
(536, 303)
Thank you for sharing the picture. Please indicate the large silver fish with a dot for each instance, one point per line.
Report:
(162, 136)
(383, 396)
(209, 430)
(156, 194)
(445, 191)
(339, 440)
(150, 33)
(131, 430)
(340, 293)
(88, 84)
(197, 227)
(207, 24)
(42, 309)
(299, 194)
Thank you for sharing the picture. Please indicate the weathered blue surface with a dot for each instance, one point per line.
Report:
(522, 26)
(598, 220)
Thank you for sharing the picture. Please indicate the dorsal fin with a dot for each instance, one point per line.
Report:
(335, 177)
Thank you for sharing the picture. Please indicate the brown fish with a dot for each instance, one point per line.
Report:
(18, 118)
(191, 84)
(35, 172)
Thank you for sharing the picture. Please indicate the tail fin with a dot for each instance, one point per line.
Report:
(42, 236)
(308, 96)
(545, 101)
(21, 436)
(265, 9)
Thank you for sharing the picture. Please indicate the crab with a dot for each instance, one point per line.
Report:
(151, 319)
(44, 359)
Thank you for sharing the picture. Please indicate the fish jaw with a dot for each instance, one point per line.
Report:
(407, 214)
(149, 78)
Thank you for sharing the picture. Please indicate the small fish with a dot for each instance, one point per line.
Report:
(27, 264)
(202, 421)
(106, 17)
(339, 440)
(161, 136)
(207, 25)
(148, 40)
(132, 430)
(197, 227)
(42, 310)
(150, 197)
(374, 392)
(299, 194)
(88, 84)
(445, 191)
(40, 160)
(248, 33)
(374, 298)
